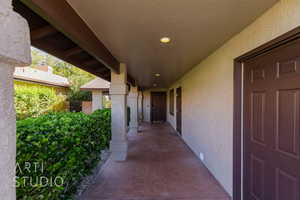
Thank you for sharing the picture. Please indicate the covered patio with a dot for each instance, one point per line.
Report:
(224, 74)
(159, 166)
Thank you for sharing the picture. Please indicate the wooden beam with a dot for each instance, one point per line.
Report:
(42, 32)
(63, 17)
(90, 62)
(106, 74)
(42, 44)
(73, 51)
(100, 70)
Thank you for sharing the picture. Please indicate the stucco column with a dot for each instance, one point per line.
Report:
(118, 92)
(133, 104)
(140, 106)
(14, 51)
(97, 100)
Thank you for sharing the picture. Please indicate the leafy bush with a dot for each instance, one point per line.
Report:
(34, 101)
(64, 145)
(80, 96)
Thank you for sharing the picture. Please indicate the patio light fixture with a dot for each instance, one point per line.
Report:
(165, 40)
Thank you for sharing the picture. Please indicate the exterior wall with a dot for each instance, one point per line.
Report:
(207, 90)
(97, 100)
(87, 107)
(147, 102)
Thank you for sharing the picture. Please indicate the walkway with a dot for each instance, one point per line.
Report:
(159, 167)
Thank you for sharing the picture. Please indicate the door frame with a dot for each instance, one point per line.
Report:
(238, 104)
(176, 96)
(151, 113)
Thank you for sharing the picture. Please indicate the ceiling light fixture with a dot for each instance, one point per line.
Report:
(165, 40)
(157, 75)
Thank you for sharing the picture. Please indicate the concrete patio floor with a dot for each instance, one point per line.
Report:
(159, 167)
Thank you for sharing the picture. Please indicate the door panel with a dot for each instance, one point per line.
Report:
(271, 125)
(158, 106)
(178, 110)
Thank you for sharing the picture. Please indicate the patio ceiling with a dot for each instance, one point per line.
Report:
(131, 30)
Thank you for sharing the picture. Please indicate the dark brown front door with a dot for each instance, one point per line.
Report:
(178, 111)
(158, 106)
(271, 125)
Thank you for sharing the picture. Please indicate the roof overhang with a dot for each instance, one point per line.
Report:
(96, 84)
(36, 81)
(57, 29)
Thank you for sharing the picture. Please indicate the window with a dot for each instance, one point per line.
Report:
(171, 103)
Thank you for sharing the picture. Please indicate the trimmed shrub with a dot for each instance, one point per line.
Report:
(59, 146)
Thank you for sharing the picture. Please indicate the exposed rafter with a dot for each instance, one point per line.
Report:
(100, 70)
(63, 17)
(42, 32)
(53, 39)
(107, 74)
(73, 51)
(90, 62)
(60, 54)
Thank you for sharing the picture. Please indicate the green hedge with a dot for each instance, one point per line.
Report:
(63, 146)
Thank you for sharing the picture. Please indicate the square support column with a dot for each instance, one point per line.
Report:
(14, 51)
(133, 104)
(118, 92)
(140, 106)
(97, 100)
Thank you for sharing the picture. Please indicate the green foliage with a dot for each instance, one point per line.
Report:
(68, 145)
(77, 78)
(34, 101)
(77, 95)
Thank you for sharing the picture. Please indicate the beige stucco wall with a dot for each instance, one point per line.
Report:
(207, 90)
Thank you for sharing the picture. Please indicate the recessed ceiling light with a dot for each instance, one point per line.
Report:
(157, 75)
(154, 84)
(165, 40)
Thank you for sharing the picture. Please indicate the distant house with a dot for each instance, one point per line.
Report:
(99, 88)
(41, 76)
